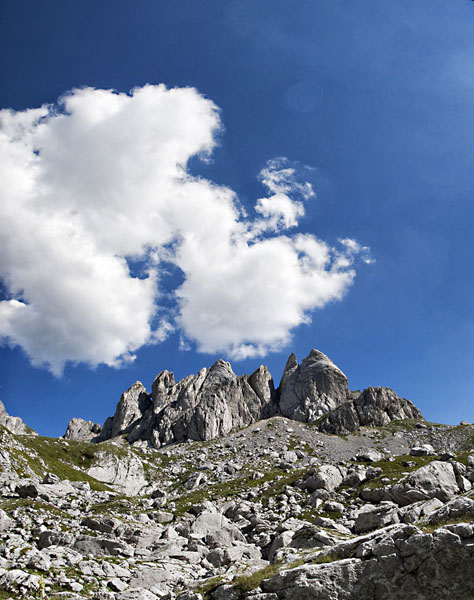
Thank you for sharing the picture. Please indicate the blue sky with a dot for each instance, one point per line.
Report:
(371, 103)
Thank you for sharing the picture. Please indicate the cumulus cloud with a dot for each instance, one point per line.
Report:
(99, 183)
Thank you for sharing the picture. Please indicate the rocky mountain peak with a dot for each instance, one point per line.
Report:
(318, 360)
(13, 424)
(310, 390)
(291, 363)
(214, 401)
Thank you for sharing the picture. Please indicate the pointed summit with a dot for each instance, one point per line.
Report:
(312, 389)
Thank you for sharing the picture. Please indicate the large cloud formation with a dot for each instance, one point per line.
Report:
(98, 184)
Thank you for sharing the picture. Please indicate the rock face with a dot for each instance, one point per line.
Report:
(436, 480)
(374, 407)
(131, 407)
(13, 424)
(199, 407)
(124, 471)
(312, 389)
(82, 431)
(214, 401)
(401, 565)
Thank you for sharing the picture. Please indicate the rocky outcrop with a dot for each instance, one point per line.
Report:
(131, 408)
(312, 389)
(80, 430)
(404, 564)
(215, 401)
(199, 407)
(123, 470)
(13, 424)
(374, 407)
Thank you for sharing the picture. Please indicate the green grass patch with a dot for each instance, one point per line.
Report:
(119, 504)
(11, 504)
(209, 586)
(247, 583)
(430, 527)
(66, 460)
(323, 559)
(228, 489)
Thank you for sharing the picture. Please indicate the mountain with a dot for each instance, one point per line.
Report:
(222, 487)
(216, 401)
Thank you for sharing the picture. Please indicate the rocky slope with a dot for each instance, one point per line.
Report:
(255, 498)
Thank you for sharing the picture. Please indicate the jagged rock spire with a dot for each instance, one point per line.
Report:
(215, 401)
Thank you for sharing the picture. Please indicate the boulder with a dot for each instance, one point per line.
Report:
(27, 490)
(368, 455)
(376, 517)
(216, 529)
(459, 508)
(124, 470)
(435, 480)
(402, 564)
(326, 477)
(423, 450)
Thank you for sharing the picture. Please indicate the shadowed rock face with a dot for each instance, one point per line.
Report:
(214, 401)
(374, 407)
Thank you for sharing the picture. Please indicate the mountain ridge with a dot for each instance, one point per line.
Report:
(212, 402)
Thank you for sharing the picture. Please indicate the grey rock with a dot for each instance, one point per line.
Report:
(376, 517)
(39, 561)
(216, 529)
(459, 508)
(51, 479)
(13, 424)
(312, 389)
(281, 541)
(130, 410)
(369, 455)
(311, 536)
(123, 471)
(326, 477)
(81, 430)
(5, 521)
(423, 450)
(435, 480)
(421, 566)
(418, 510)
(137, 594)
(27, 490)
(199, 407)
(373, 407)
(102, 524)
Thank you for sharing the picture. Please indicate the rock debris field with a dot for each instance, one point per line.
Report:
(226, 487)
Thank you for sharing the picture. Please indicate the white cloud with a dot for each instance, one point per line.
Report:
(103, 179)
